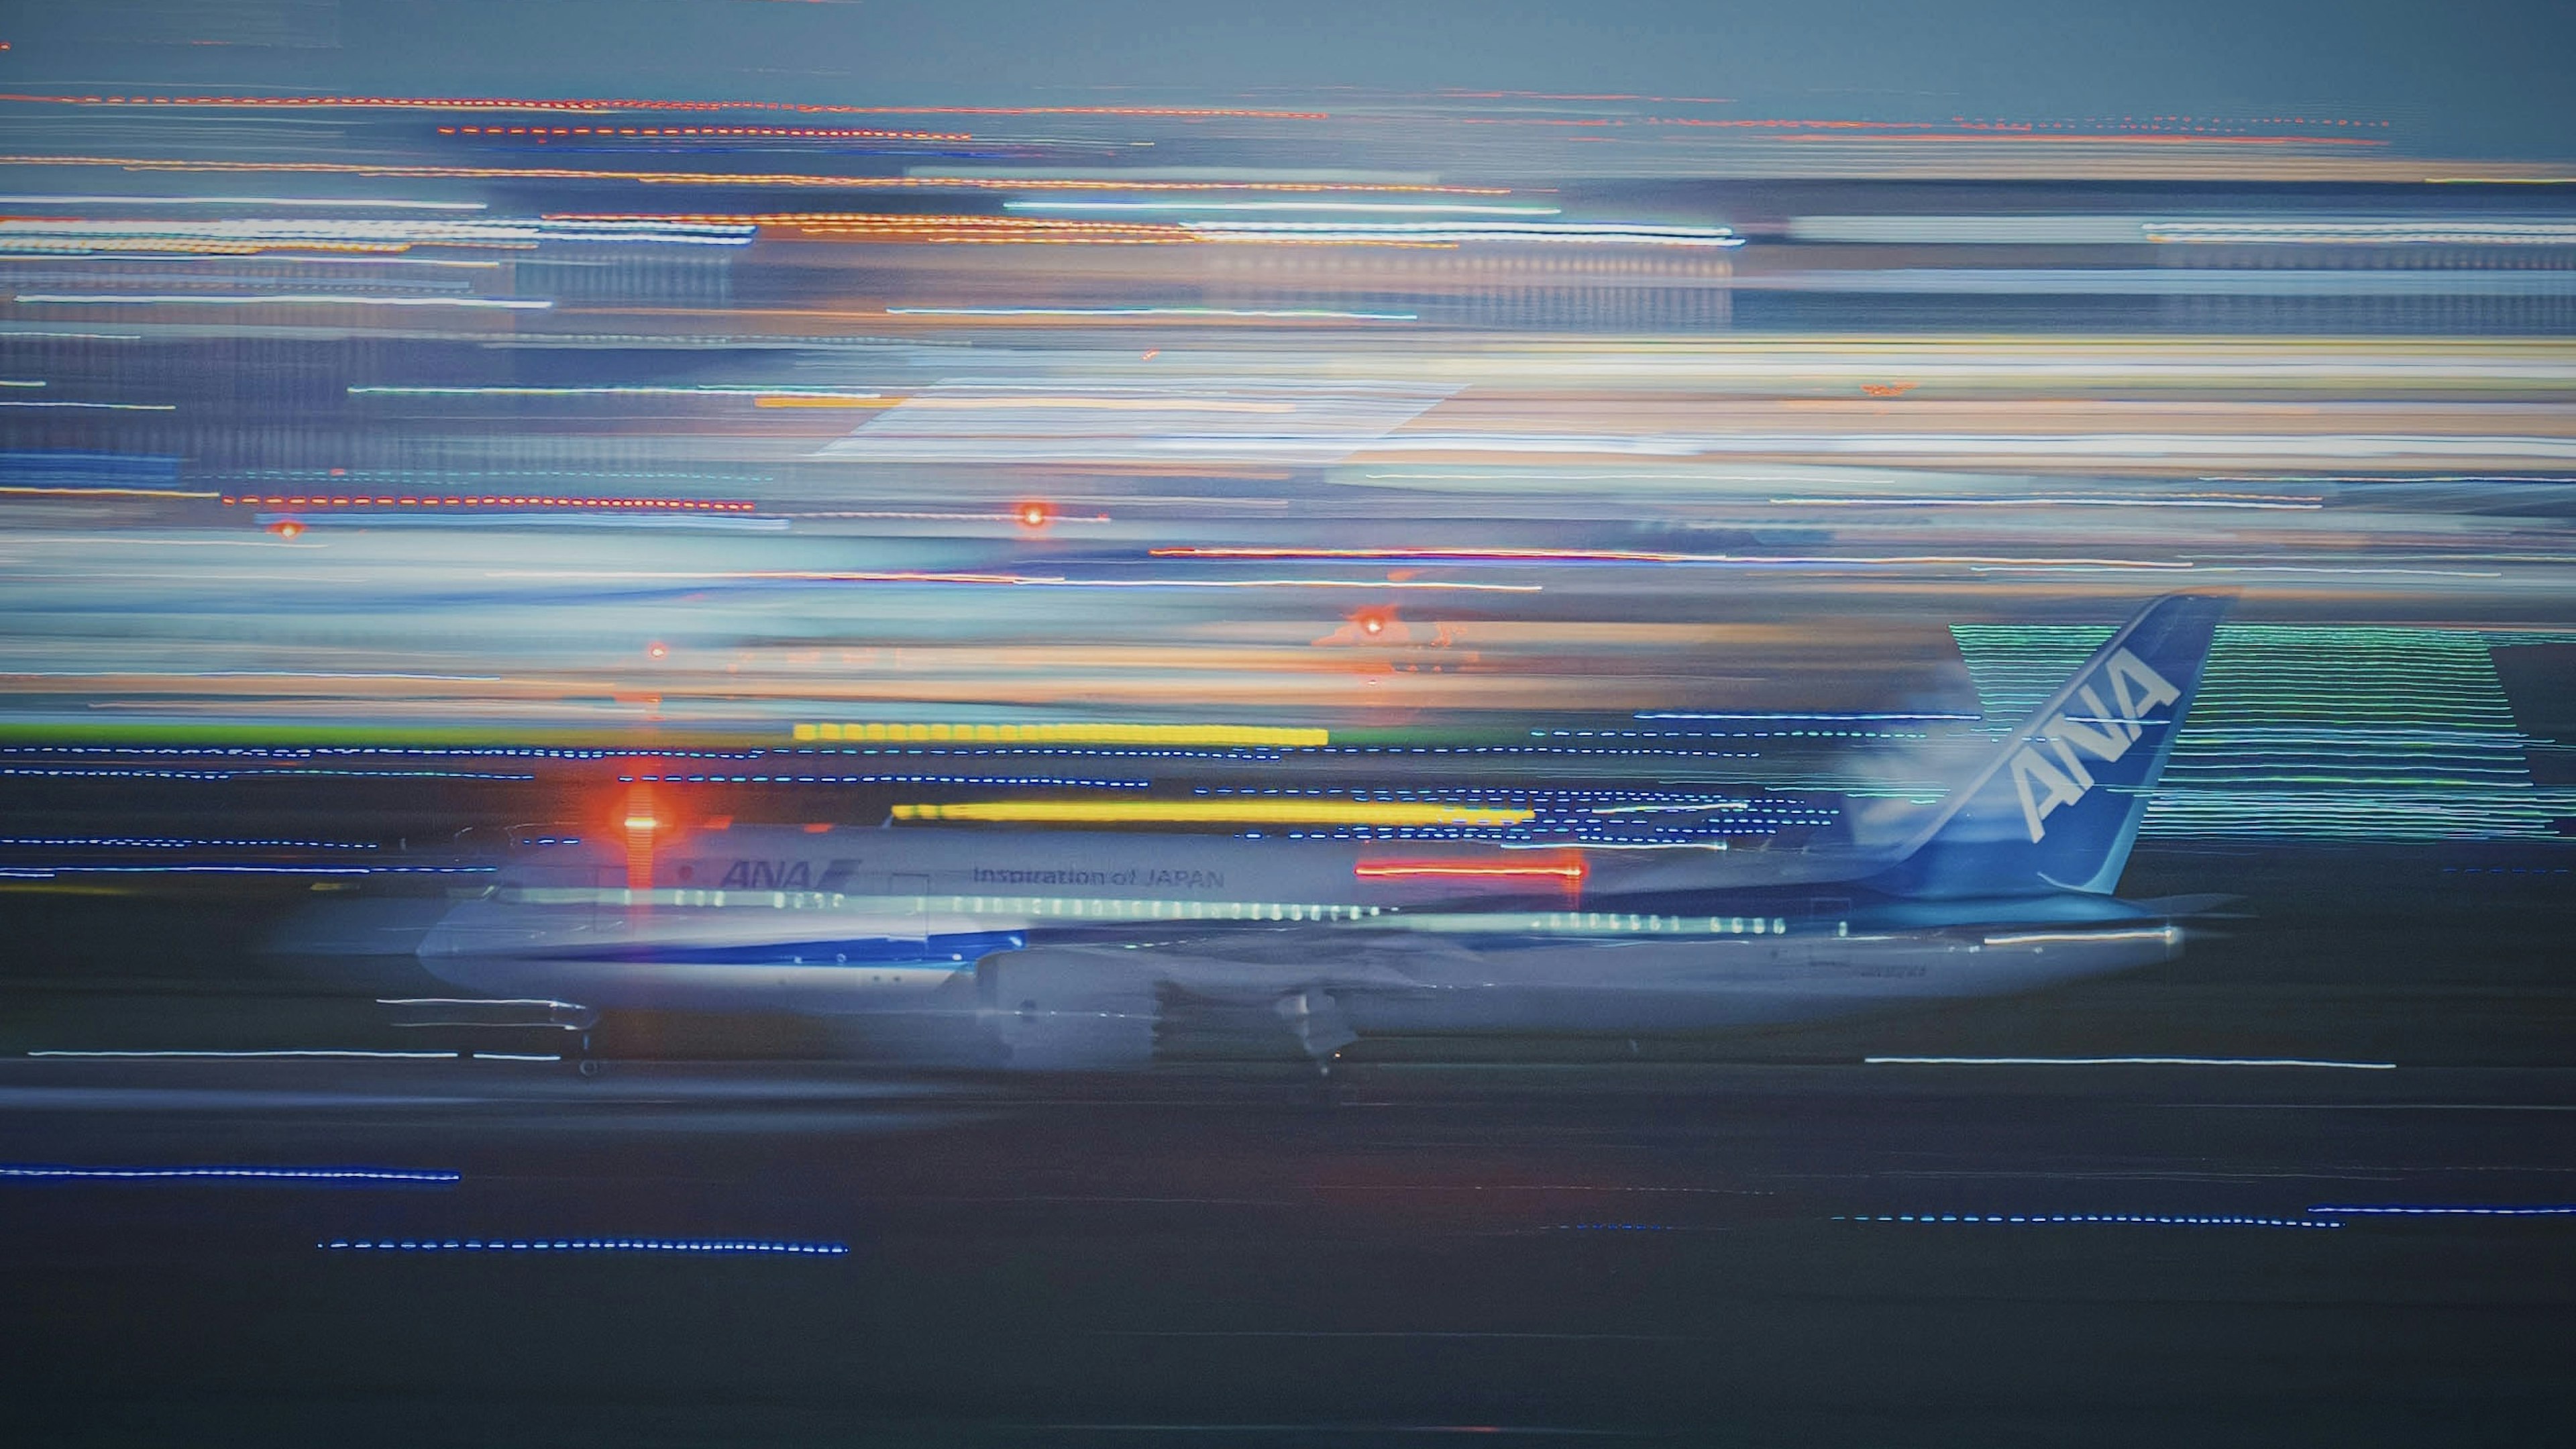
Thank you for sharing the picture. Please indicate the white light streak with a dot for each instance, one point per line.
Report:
(103, 406)
(336, 1052)
(1578, 232)
(709, 390)
(2366, 233)
(475, 1001)
(2127, 1062)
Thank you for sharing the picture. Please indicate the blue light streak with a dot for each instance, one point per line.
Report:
(257, 869)
(272, 299)
(155, 842)
(69, 772)
(432, 1176)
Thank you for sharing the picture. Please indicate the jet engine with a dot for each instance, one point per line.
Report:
(1070, 1009)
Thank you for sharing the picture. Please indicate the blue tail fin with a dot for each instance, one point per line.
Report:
(2059, 804)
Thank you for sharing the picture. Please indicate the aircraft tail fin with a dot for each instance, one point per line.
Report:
(2058, 805)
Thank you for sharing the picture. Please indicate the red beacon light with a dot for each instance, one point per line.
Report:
(1378, 621)
(286, 528)
(1033, 514)
(657, 650)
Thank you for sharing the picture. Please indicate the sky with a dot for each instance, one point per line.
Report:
(2474, 78)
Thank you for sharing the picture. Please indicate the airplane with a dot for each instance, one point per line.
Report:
(1039, 950)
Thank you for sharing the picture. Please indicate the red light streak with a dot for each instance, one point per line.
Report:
(1960, 128)
(1640, 556)
(2143, 139)
(694, 132)
(1567, 870)
(595, 106)
(924, 227)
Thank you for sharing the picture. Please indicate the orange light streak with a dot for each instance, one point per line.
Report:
(110, 247)
(640, 822)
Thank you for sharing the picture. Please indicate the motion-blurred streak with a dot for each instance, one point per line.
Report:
(1386, 420)
(790, 179)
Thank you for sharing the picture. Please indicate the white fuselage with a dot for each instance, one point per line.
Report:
(1032, 934)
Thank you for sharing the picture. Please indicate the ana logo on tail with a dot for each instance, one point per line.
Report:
(2104, 732)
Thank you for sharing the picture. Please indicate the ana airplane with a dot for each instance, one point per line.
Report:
(1036, 949)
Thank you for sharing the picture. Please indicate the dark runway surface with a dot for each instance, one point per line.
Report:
(1662, 1250)
(1756, 1237)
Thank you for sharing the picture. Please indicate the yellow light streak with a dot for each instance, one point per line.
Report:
(1222, 736)
(1227, 812)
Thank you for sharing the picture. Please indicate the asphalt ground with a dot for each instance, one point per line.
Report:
(1697, 1252)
